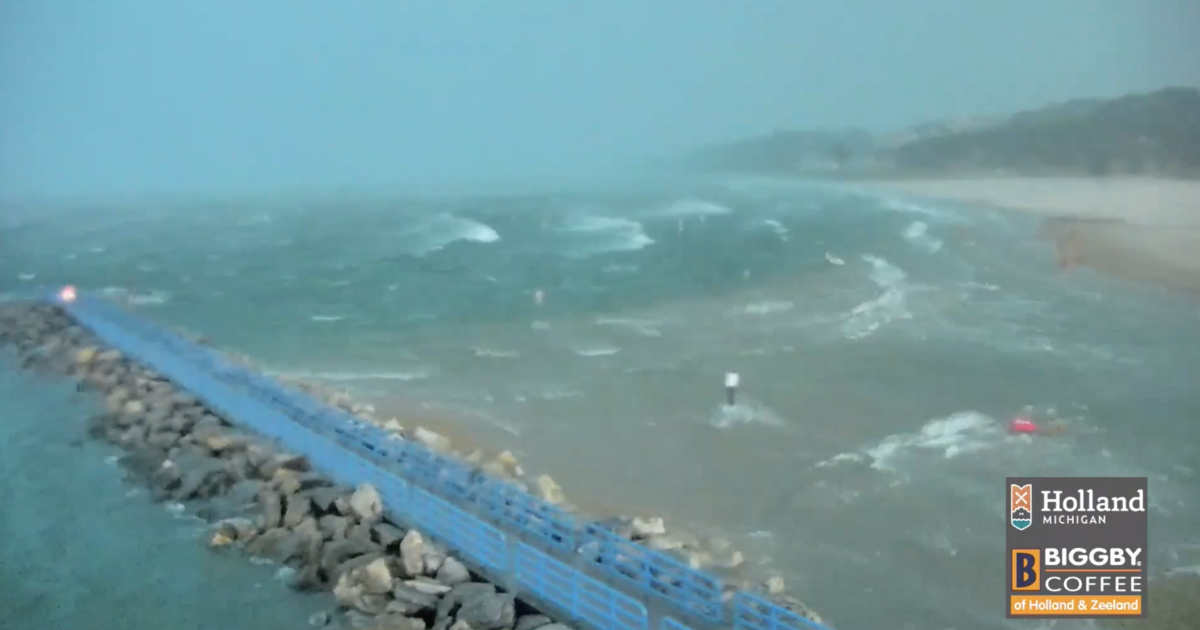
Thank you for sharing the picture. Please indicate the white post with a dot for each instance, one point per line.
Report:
(731, 385)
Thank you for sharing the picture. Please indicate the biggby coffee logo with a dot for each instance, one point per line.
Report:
(1087, 557)
(1020, 505)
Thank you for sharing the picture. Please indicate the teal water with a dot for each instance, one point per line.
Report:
(883, 343)
(80, 549)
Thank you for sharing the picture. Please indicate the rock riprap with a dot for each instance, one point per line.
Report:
(271, 504)
(262, 500)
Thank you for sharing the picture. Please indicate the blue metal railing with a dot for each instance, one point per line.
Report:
(447, 498)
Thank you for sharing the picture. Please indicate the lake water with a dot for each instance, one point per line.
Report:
(81, 549)
(883, 344)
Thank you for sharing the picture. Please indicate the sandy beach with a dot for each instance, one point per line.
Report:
(1143, 229)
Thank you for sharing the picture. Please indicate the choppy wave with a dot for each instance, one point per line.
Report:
(886, 307)
(435, 233)
(643, 327)
(590, 234)
(594, 350)
(746, 412)
(945, 438)
(850, 319)
(778, 229)
(908, 206)
(693, 208)
(495, 353)
(768, 307)
(917, 233)
(136, 298)
(345, 377)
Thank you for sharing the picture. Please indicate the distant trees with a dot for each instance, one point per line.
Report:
(1156, 133)
(1123, 135)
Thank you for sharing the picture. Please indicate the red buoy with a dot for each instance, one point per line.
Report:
(1022, 424)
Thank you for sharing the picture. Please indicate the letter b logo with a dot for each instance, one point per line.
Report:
(1025, 568)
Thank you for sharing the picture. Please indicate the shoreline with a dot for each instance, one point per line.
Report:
(1142, 229)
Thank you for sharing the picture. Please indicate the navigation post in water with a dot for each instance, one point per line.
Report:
(731, 385)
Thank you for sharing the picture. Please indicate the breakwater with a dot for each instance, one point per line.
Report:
(181, 407)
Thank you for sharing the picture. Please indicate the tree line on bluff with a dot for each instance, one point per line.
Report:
(1152, 134)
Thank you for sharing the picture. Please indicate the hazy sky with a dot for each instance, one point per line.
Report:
(145, 96)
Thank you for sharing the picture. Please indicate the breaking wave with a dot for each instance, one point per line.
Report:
(435, 233)
(588, 235)
(887, 306)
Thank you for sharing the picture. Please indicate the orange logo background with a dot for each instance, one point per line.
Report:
(1020, 497)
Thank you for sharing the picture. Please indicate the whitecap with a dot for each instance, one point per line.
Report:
(917, 233)
(620, 268)
(884, 273)
(834, 260)
(841, 458)
(26, 277)
(595, 351)
(404, 376)
(744, 413)
(982, 286)
(949, 437)
(908, 206)
(778, 229)
(556, 393)
(285, 573)
(767, 308)
(435, 233)
(888, 306)
(132, 298)
(644, 327)
(590, 234)
(492, 353)
(153, 298)
(694, 208)
(326, 318)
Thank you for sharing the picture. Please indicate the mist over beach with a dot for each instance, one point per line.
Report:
(553, 230)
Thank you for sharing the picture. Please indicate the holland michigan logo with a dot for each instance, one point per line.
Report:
(1020, 505)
